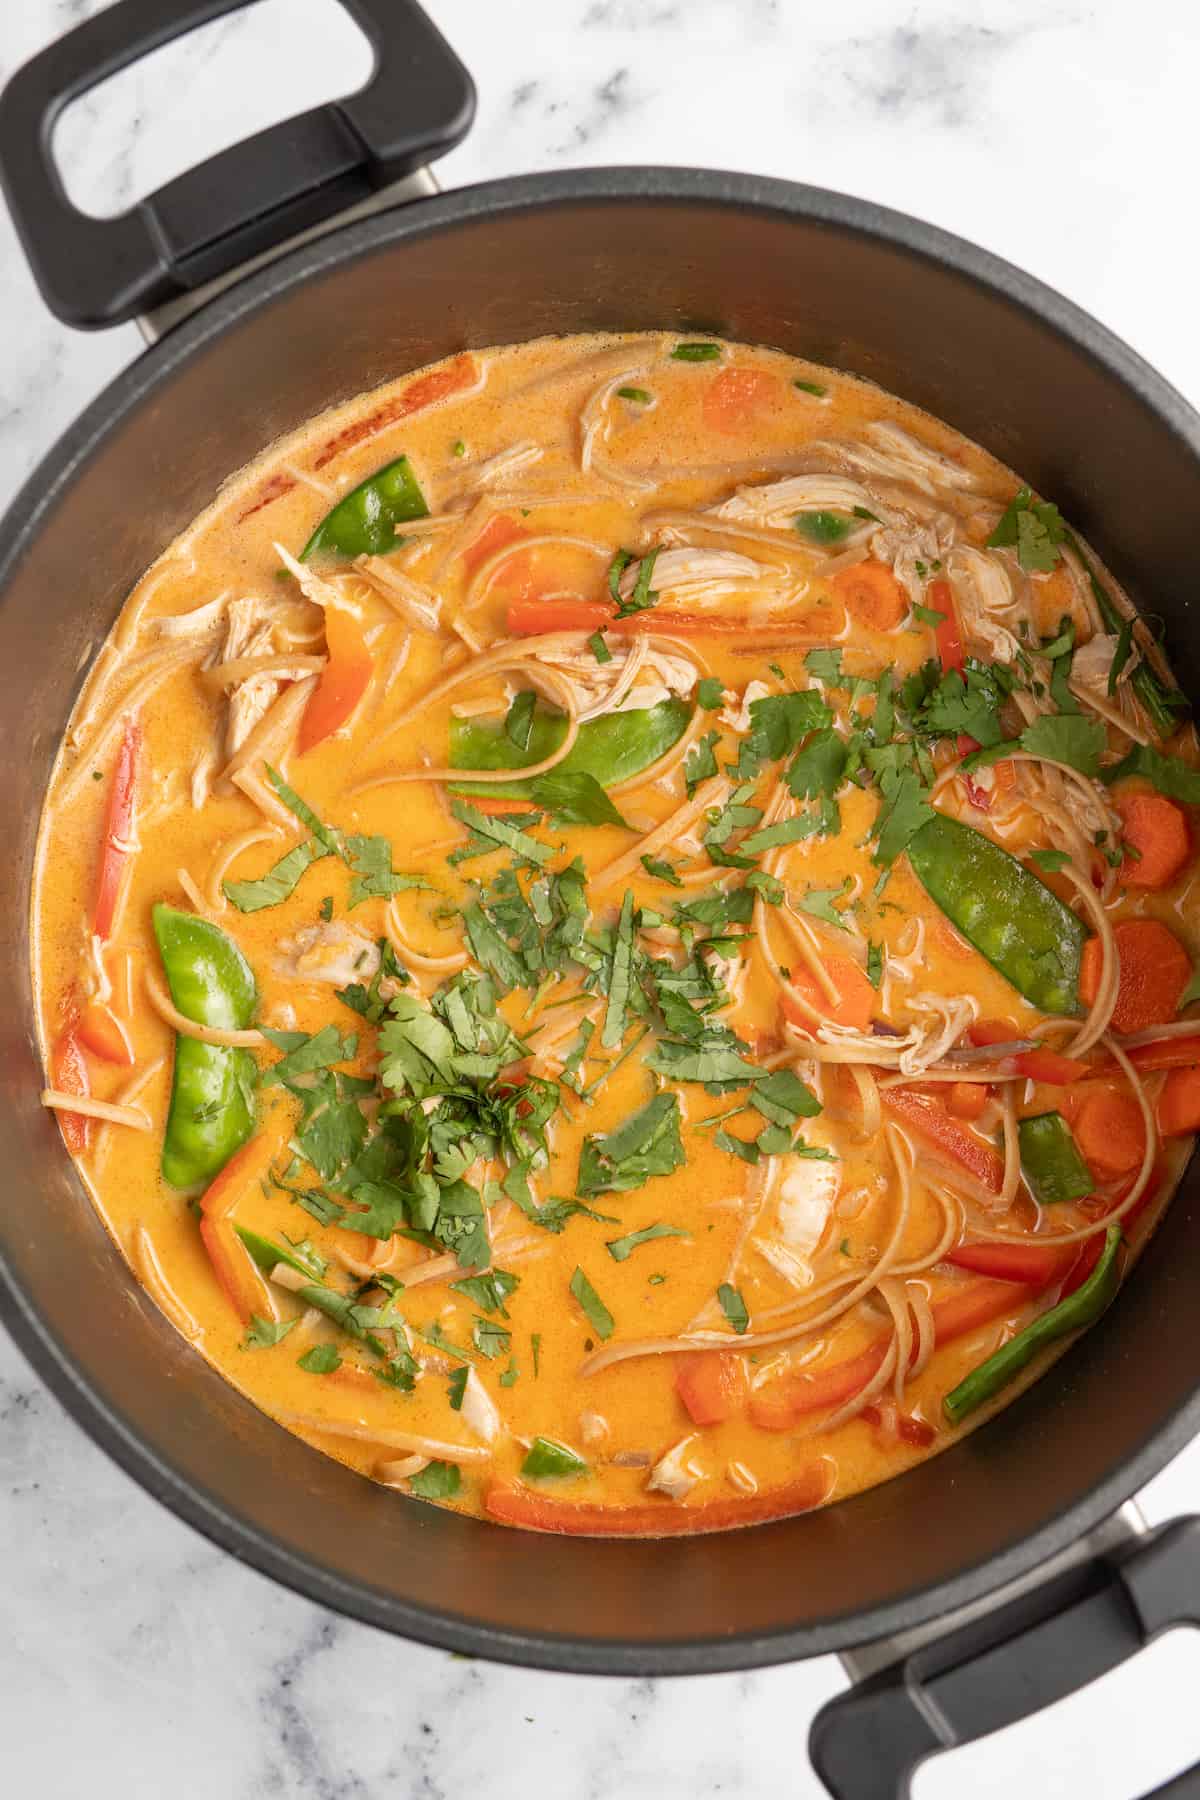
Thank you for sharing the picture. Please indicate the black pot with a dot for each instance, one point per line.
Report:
(942, 324)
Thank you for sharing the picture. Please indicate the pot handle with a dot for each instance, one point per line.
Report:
(1038, 1648)
(244, 201)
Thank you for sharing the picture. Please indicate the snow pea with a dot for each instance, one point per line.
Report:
(1011, 917)
(1075, 1313)
(611, 748)
(212, 1094)
(1050, 1160)
(364, 521)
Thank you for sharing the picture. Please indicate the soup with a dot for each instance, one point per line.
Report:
(613, 935)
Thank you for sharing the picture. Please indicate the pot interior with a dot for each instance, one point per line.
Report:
(1045, 390)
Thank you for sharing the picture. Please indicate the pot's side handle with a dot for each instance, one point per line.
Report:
(1053, 1640)
(418, 103)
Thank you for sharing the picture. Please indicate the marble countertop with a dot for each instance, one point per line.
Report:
(135, 1658)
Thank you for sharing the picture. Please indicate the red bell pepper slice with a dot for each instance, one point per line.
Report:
(118, 829)
(711, 1384)
(928, 1117)
(343, 681)
(69, 1075)
(514, 1505)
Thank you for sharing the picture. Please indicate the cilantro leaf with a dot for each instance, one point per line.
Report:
(734, 1307)
(1067, 738)
(305, 1054)
(818, 903)
(575, 797)
(598, 1315)
(641, 596)
(1169, 774)
(490, 1338)
(826, 666)
(621, 1248)
(1034, 527)
(1050, 860)
(645, 1145)
(499, 832)
(782, 1097)
(518, 721)
(322, 1359)
(785, 719)
(456, 1387)
(620, 978)
(700, 763)
(902, 815)
(662, 871)
(438, 1481)
(710, 693)
(370, 863)
(818, 770)
(280, 880)
(490, 1291)
(264, 1334)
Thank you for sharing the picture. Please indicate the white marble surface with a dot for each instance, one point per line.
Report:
(134, 1659)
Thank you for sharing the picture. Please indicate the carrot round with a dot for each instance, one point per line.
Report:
(1154, 970)
(934, 1123)
(117, 849)
(69, 1074)
(1179, 1103)
(736, 399)
(343, 681)
(871, 595)
(711, 1384)
(1157, 830)
(856, 997)
(1109, 1129)
(514, 1505)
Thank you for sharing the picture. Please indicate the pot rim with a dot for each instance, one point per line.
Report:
(70, 1382)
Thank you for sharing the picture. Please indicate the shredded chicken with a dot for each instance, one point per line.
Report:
(335, 953)
(776, 503)
(689, 578)
(671, 1474)
(738, 717)
(479, 1410)
(247, 633)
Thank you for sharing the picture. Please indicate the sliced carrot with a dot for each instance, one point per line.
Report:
(909, 1430)
(1154, 970)
(69, 1074)
(993, 1031)
(500, 531)
(781, 1403)
(513, 1505)
(871, 595)
(343, 681)
(1157, 830)
(947, 636)
(1033, 1265)
(230, 1263)
(736, 398)
(117, 850)
(934, 1123)
(711, 1384)
(966, 1099)
(856, 1000)
(1109, 1130)
(100, 1031)
(529, 618)
(1178, 1107)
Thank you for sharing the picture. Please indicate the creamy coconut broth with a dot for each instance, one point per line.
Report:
(634, 972)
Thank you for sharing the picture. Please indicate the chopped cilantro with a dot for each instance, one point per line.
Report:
(734, 1307)
(639, 396)
(322, 1359)
(874, 964)
(439, 1481)
(710, 693)
(696, 352)
(264, 1334)
(547, 1459)
(818, 903)
(598, 1315)
(620, 1248)
(1050, 860)
(822, 527)
(1068, 738)
(1034, 527)
(1169, 774)
(599, 648)
(811, 387)
(645, 1145)
(518, 722)
(662, 871)
(457, 1386)
(641, 596)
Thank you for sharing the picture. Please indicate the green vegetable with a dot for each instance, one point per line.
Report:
(1067, 738)
(575, 798)
(599, 1317)
(1034, 528)
(1160, 703)
(811, 387)
(1169, 774)
(818, 903)
(734, 1307)
(610, 748)
(212, 1093)
(519, 721)
(599, 648)
(710, 693)
(822, 527)
(264, 1334)
(621, 977)
(642, 596)
(1075, 1313)
(322, 1359)
(546, 1457)
(620, 1248)
(1010, 916)
(364, 522)
(440, 1481)
(1050, 1160)
(638, 395)
(457, 1387)
(696, 352)
(280, 880)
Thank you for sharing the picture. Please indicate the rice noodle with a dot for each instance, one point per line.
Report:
(248, 782)
(563, 692)
(918, 1300)
(432, 965)
(487, 571)
(1012, 1149)
(124, 1097)
(107, 1110)
(1136, 1191)
(868, 1095)
(417, 605)
(273, 732)
(712, 792)
(157, 668)
(1100, 1015)
(150, 1272)
(245, 668)
(412, 1441)
(228, 855)
(400, 1469)
(593, 428)
(163, 1005)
